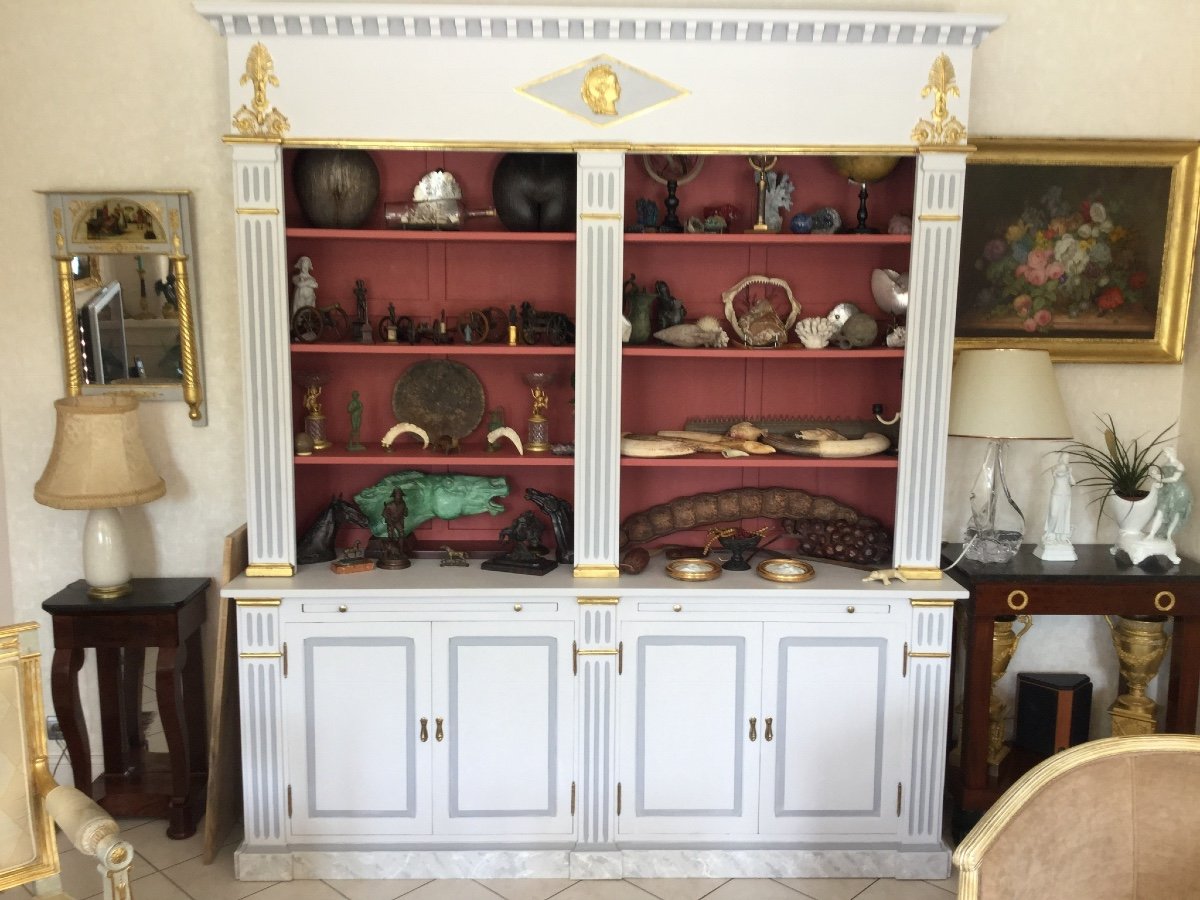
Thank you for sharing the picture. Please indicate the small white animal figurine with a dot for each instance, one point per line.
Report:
(886, 576)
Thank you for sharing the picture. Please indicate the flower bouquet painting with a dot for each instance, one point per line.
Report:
(1076, 255)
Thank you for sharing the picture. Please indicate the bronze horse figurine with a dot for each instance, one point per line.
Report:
(317, 543)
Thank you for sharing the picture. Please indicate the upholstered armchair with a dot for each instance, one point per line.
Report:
(31, 802)
(1114, 819)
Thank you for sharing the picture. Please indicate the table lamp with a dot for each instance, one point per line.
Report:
(99, 463)
(1002, 395)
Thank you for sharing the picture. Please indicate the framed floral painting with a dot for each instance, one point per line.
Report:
(1082, 248)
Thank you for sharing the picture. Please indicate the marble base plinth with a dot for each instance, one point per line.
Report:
(887, 861)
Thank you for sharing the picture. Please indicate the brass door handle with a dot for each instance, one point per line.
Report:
(438, 734)
(753, 728)
(768, 734)
(424, 729)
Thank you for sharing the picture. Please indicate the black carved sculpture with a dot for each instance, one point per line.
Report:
(535, 191)
(562, 520)
(316, 545)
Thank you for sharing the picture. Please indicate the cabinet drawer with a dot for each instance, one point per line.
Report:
(366, 607)
(684, 607)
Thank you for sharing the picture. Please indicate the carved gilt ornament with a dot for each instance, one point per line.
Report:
(945, 129)
(260, 119)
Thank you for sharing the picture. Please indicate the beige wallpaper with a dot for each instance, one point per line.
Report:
(128, 94)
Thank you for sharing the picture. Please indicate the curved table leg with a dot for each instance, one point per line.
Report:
(169, 685)
(64, 691)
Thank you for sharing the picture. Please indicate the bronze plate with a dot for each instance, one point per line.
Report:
(443, 397)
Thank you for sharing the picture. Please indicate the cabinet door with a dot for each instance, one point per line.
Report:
(354, 697)
(687, 761)
(833, 694)
(505, 694)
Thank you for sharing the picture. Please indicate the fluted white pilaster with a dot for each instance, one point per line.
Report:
(262, 274)
(596, 767)
(929, 703)
(599, 262)
(260, 683)
(933, 287)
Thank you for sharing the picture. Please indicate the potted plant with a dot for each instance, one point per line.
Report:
(1122, 468)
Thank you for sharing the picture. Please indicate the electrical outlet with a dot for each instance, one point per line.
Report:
(53, 729)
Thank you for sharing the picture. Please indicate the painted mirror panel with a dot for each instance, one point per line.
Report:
(127, 294)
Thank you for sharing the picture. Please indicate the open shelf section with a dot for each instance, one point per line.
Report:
(442, 350)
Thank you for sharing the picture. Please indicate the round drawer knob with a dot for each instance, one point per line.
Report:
(1018, 600)
(849, 609)
(678, 607)
(342, 607)
(517, 607)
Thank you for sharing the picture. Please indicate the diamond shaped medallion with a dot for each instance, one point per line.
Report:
(603, 91)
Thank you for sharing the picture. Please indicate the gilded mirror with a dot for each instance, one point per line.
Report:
(127, 294)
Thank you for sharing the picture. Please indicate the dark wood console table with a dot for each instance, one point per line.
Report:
(165, 613)
(1093, 585)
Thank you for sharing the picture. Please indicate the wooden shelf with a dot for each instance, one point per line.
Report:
(432, 236)
(456, 350)
(790, 352)
(766, 461)
(792, 240)
(409, 456)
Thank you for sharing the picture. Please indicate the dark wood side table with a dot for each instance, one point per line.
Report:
(1093, 585)
(165, 613)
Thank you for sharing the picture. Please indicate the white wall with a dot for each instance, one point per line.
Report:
(121, 95)
(129, 94)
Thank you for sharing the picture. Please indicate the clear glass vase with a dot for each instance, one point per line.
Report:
(993, 533)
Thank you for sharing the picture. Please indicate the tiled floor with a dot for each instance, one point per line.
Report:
(172, 870)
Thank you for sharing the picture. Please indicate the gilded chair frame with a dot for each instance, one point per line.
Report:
(24, 662)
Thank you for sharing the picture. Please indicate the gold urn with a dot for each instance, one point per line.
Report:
(1004, 645)
(1141, 643)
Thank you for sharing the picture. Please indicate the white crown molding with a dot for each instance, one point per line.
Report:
(687, 24)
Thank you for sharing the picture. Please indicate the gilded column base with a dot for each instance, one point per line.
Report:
(1130, 721)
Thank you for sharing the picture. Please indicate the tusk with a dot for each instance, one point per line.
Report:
(867, 445)
(651, 447)
(405, 428)
(506, 432)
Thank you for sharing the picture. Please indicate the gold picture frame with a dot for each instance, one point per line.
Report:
(1084, 248)
(107, 244)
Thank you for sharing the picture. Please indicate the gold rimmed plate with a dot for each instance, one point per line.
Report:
(785, 570)
(693, 569)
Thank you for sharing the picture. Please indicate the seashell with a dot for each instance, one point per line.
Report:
(896, 337)
(815, 332)
(841, 313)
(890, 290)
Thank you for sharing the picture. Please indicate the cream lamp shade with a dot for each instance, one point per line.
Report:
(98, 463)
(1002, 395)
(1007, 395)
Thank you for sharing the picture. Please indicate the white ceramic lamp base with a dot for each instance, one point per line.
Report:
(105, 556)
